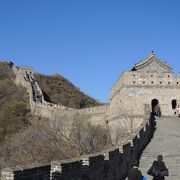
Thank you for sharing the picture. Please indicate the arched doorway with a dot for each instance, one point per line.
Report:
(155, 107)
(174, 103)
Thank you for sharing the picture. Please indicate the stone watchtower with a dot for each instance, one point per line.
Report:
(149, 82)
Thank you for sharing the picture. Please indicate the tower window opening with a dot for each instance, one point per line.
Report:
(174, 104)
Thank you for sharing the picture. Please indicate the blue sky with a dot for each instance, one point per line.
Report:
(90, 42)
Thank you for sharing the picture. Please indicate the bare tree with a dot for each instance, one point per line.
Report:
(87, 137)
(46, 140)
(43, 141)
(124, 129)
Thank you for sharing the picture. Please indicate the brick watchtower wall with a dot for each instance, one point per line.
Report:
(150, 79)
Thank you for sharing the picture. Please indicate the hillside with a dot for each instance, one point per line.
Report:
(14, 103)
(26, 139)
(14, 100)
(59, 90)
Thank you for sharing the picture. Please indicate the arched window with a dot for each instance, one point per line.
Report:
(174, 103)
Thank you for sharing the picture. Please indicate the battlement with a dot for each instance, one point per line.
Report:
(22, 69)
(135, 78)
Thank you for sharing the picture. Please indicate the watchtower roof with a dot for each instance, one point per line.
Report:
(154, 63)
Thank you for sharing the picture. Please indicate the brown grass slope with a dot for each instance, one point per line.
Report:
(14, 103)
(59, 90)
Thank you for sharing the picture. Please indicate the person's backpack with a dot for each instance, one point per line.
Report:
(155, 171)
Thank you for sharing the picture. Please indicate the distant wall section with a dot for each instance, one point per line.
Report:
(96, 115)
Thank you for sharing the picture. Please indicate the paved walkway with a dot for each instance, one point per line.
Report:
(166, 141)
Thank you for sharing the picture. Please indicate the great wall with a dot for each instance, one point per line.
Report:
(134, 95)
(111, 164)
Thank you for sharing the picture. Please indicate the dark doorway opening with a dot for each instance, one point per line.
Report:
(155, 107)
(154, 103)
(174, 103)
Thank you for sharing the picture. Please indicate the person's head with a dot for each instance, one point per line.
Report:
(160, 158)
(136, 163)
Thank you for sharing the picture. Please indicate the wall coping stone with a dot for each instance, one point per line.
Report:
(66, 161)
